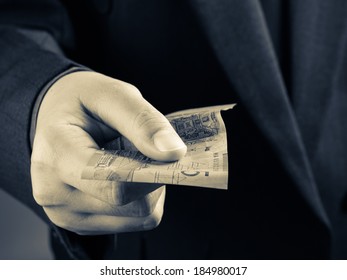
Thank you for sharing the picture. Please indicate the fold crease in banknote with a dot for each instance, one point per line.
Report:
(204, 165)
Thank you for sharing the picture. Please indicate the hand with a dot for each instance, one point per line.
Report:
(79, 113)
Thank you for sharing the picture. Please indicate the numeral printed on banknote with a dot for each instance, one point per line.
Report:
(205, 163)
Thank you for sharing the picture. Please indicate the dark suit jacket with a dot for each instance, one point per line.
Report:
(283, 62)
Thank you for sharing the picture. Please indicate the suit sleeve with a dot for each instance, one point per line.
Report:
(33, 34)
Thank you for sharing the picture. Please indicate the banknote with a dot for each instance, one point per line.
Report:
(204, 165)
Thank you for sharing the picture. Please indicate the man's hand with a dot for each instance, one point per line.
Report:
(79, 113)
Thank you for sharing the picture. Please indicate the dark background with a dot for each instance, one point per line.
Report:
(22, 234)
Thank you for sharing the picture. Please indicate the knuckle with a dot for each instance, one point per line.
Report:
(120, 88)
(56, 218)
(146, 207)
(127, 88)
(48, 198)
(45, 153)
(40, 198)
(133, 89)
(149, 120)
(44, 185)
(38, 189)
(153, 220)
(116, 195)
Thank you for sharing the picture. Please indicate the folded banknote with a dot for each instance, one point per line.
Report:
(204, 165)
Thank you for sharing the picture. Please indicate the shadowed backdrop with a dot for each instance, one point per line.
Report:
(22, 234)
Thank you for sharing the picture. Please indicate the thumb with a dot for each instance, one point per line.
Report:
(122, 107)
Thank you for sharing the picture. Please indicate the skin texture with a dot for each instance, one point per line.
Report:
(81, 112)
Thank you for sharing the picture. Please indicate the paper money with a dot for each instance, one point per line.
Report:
(204, 165)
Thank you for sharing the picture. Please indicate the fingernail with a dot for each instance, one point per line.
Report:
(168, 141)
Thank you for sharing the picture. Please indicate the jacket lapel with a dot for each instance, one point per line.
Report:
(238, 33)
